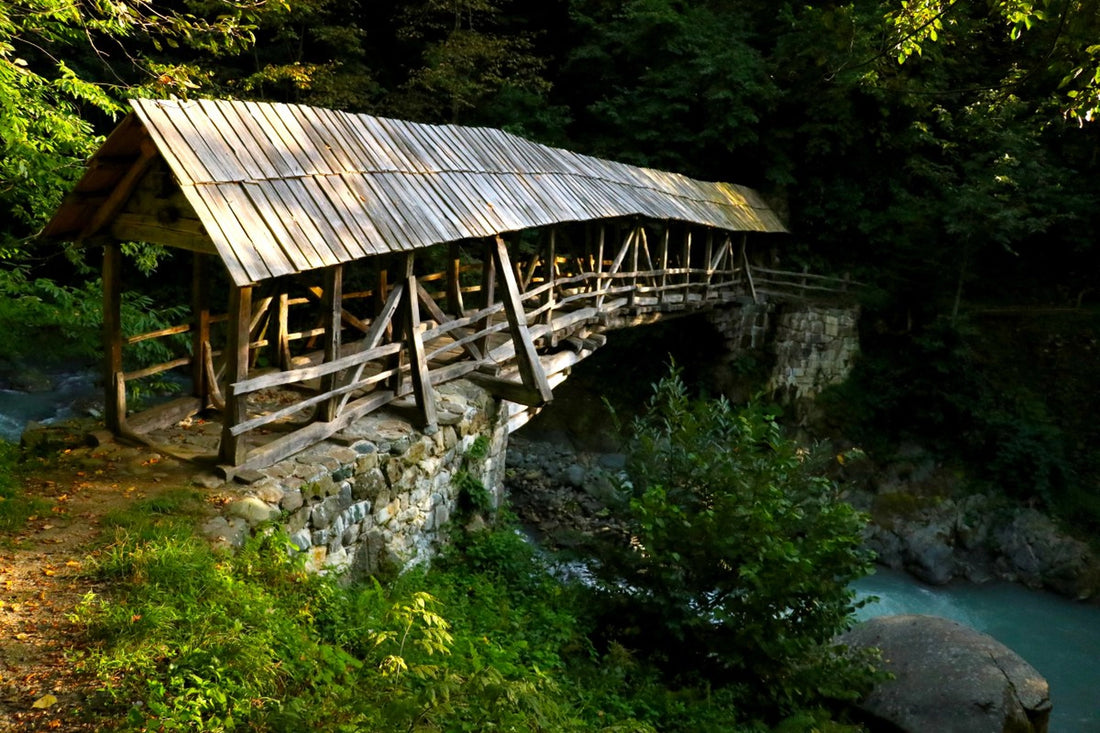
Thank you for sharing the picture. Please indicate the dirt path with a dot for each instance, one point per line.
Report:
(42, 578)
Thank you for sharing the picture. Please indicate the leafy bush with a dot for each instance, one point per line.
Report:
(42, 318)
(741, 554)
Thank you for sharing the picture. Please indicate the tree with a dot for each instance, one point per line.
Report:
(64, 67)
(669, 84)
(468, 61)
(741, 553)
(306, 52)
(1052, 42)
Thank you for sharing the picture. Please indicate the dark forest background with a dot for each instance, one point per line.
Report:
(942, 152)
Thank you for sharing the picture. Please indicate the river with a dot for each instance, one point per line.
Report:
(18, 408)
(1059, 637)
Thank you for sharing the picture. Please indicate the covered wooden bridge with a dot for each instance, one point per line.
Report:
(318, 291)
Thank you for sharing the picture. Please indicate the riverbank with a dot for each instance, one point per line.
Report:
(562, 493)
(1059, 637)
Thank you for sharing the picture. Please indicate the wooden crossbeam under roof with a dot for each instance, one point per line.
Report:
(276, 189)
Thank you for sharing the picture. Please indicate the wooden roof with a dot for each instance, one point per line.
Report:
(281, 189)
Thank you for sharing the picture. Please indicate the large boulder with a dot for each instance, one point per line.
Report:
(949, 678)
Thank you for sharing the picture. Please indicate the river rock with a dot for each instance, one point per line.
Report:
(1034, 552)
(949, 678)
(929, 555)
(575, 475)
(253, 510)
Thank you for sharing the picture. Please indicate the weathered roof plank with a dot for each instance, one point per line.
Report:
(285, 188)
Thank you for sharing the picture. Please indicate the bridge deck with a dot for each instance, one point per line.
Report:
(531, 322)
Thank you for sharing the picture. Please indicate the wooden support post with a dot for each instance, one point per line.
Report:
(599, 268)
(488, 293)
(551, 280)
(381, 293)
(454, 284)
(527, 359)
(709, 252)
(397, 361)
(114, 384)
(634, 265)
(685, 257)
(200, 330)
(282, 333)
(236, 363)
(648, 259)
(662, 297)
(418, 363)
(333, 305)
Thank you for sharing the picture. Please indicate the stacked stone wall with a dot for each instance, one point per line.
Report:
(814, 347)
(379, 495)
(745, 327)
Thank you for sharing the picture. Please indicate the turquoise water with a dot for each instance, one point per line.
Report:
(1059, 637)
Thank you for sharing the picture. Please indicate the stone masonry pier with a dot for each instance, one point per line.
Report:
(378, 496)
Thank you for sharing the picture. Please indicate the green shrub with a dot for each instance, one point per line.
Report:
(741, 555)
(186, 638)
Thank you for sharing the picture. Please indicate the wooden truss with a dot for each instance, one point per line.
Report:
(515, 328)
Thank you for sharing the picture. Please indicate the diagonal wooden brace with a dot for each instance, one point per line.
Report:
(527, 359)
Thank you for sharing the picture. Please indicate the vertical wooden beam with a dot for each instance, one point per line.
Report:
(381, 292)
(551, 280)
(685, 257)
(527, 359)
(114, 397)
(200, 329)
(488, 294)
(282, 332)
(236, 366)
(664, 267)
(454, 284)
(709, 259)
(634, 265)
(397, 361)
(418, 362)
(332, 300)
(599, 266)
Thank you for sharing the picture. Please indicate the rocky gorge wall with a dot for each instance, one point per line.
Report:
(377, 496)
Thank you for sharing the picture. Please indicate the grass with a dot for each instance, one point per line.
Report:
(183, 637)
(15, 506)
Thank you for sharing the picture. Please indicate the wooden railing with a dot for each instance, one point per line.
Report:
(415, 337)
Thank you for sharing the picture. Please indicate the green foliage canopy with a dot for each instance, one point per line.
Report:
(63, 67)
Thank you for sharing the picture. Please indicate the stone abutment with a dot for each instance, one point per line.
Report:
(378, 496)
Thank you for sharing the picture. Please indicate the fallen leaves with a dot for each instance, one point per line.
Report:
(45, 701)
